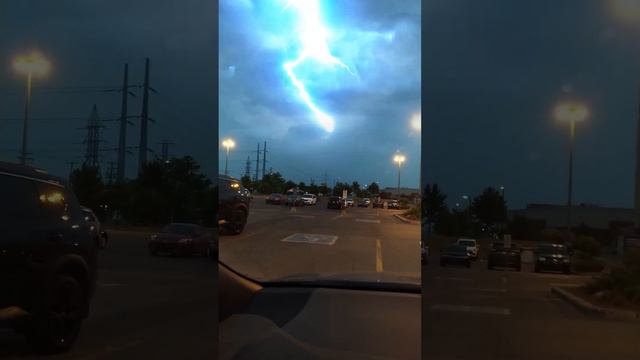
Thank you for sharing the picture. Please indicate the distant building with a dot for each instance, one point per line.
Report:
(403, 191)
(593, 216)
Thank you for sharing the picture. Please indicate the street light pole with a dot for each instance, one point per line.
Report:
(228, 144)
(399, 177)
(25, 125)
(572, 135)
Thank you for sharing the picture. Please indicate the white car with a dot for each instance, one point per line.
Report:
(471, 245)
(309, 199)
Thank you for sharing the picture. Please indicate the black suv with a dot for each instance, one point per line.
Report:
(233, 205)
(47, 258)
(554, 257)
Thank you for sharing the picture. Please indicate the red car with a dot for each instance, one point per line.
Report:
(276, 198)
(181, 239)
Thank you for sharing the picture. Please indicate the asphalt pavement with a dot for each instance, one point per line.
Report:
(144, 307)
(496, 314)
(281, 241)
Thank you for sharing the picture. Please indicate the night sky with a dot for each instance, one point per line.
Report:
(379, 41)
(495, 71)
(87, 43)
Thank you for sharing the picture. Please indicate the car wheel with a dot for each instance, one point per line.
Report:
(237, 225)
(55, 327)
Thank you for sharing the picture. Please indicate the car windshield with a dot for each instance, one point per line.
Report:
(179, 229)
(322, 93)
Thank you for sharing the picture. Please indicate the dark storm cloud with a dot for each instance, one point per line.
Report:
(88, 42)
(495, 70)
(378, 40)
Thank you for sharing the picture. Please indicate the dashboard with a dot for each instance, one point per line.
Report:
(259, 321)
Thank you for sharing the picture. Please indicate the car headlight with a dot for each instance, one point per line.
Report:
(185, 240)
(542, 258)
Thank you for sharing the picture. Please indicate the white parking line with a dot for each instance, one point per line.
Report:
(471, 309)
(368, 221)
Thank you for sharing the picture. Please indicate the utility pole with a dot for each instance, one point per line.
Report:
(264, 158)
(122, 141)
(144, 119)
(247, 170)
(258, 162)
(92, 153)
(637, 182)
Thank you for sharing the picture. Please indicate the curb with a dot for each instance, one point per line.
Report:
(404, 219)
(591, 309)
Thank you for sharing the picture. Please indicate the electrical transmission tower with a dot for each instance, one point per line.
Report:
(164, 151)
(111, 172)
(93, 140)
(143, 149)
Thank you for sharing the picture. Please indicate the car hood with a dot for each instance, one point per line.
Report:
(171, 237)
(357, 280)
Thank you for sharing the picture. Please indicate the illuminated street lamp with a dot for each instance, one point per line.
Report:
(399, 158)
(571, 113)
(228, 144)
(29, 65)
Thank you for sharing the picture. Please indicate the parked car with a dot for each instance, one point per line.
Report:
(309, 199)
(364, 202)
(471, 245)
(378, 204)
(501, 256)
(554, 257)
(393, 204)
(275, 198)
(455, 254)
(181, 239)
(91, 217)
(424, 253)
(294, 200)
(349, 202)
(48, 258)
(336, 202)
(233, 205)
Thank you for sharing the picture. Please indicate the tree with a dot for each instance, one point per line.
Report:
(489, 207)
(302, 186)
(246, 181)
(433, 204)
(88, 186)
(313, 189)
(270, 183)
(355, 187)
(289, 185)
(340, 187)
(374, 188)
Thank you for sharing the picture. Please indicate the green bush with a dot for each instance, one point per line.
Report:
(587, 245)
(619, 283)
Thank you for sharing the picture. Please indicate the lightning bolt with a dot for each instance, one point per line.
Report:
(313, 36)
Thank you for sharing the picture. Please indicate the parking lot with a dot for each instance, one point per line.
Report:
(365, 240)
(478, 313)
(144, 307)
